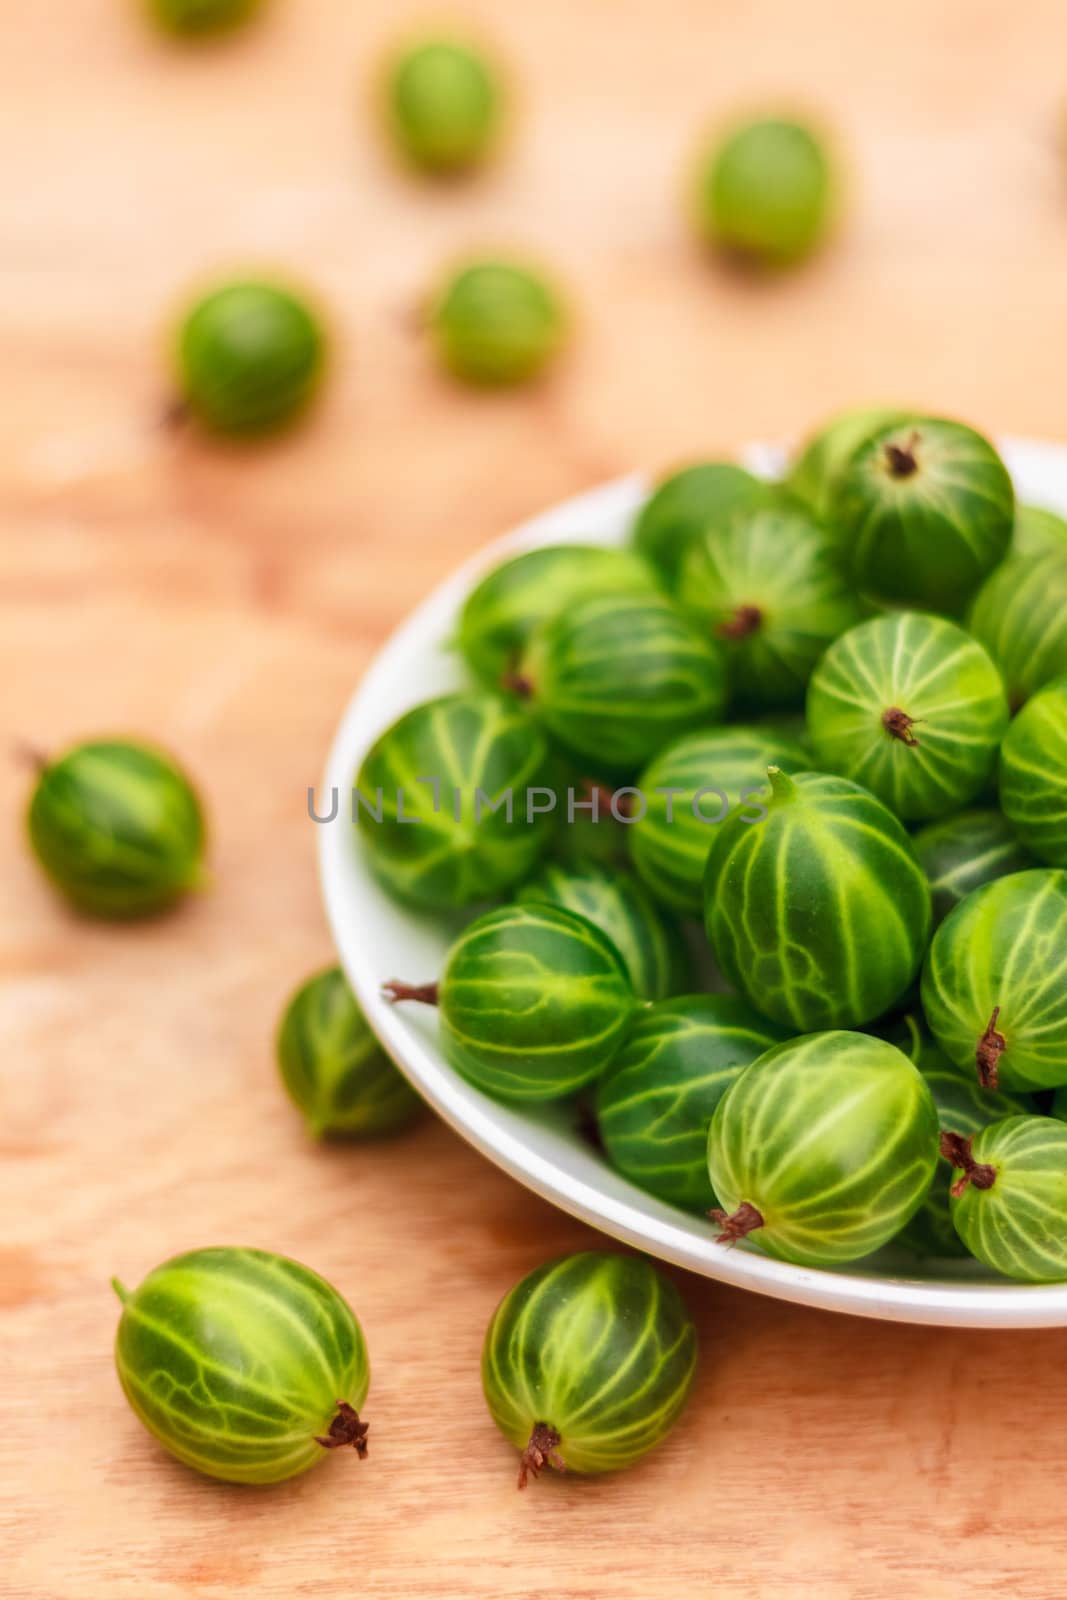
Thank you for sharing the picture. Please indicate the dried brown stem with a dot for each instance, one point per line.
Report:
(898, 725)
(991, 1046)
(746, 1219)
(542, 1451)
(901, 459)
(396, 989)
(745, 620)
(345, 1429)
(976, 1174)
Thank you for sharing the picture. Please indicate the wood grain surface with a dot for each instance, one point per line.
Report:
(226, 602)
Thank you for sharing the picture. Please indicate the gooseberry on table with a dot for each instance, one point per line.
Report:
(648, 938)
(1033, 775)
(823, 1149)
(819, 913)
(655, 1102)
(1020, 616)
(1010, 1198)
(497, 322)
(588, 1363)
(534, 1002)
(243, 1364)
(445, 801)
(444, 101)
(770, 587)
(924, 510)
(251, 355)
(960, 853)
(766, 192)
(118, 828)
(333, 1068)
(684, 504)
(994, 982)
(913, 708)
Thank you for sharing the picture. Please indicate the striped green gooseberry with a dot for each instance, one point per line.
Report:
(924, 511)
(444, 101)
(686, 790)
(770, 586)
(1033, 775)
(1020, 615)
(913, 708)
(820, 913)
(994, 984)
(824, 455)
(495, 322)
(243, 1364)
(446, 801)
(1038, 530)
(614, 679)
(534, 1002)
(118, 828)
(1009, 1203)
(766, 192)
(961, 853)
(648, 938)
(588, 1363)
(502, 611)
(251, 355)
(333, 1067)
(688, 501)
(961, 1104)
(655, 1102)
(823, 1149)
(197, 18)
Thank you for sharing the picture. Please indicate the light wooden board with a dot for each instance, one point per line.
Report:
(227, 603)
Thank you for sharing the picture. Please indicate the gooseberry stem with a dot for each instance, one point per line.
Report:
(176, 412)
(396, 990)
(782, 787)
(991, 1046)
(901, 459)
(513, 682)
(745, 1220)
(542, 1451)
(120, 1289)
(898, 725)
(744, 621)
(345, 1429)
(976, 1174)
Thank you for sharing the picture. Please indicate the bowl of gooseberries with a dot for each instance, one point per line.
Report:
(699, 852)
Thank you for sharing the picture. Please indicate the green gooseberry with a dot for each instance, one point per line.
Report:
(250, 358)
(823, 1149)
(962, 1104)
(1020, 615)
(1033, 775)
(534, 1002)
(824, 455)
(648, 939)
(994, 984)
(770, 586)
(819, 913)
(588, 1363)
(687, 789)
(1009, 1203)
(767, 192)
(118, 828)
(444, 101)
(655, 1102)
(1038, 530)
(243, 1364)
(913, 708)
(333, 1067)
(614, 679)
(452, 801)
(684, 504)
(495, 323)
(924, 511)
(196, 18)
(502, 610)
(960, 853)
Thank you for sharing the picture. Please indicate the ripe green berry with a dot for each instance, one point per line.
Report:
(333, 1067)
(250, 357)
(1033, 775)
(767, 192)
(497, 323)
(1010, 1201)
(825, 454)
(1038, 530)
(118, 828)
(443, 105)
(683, 505)
(960, 853)
(196, 18)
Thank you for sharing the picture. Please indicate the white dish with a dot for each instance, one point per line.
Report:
(378, 940)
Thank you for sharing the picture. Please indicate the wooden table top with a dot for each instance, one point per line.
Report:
(227, 602)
